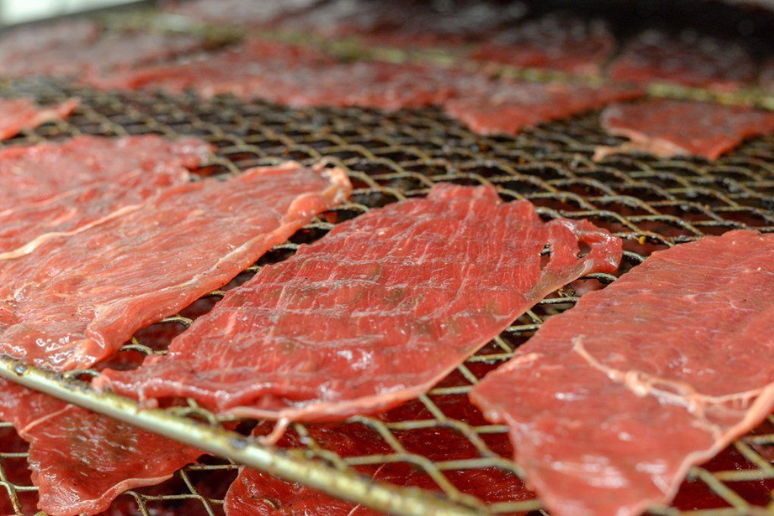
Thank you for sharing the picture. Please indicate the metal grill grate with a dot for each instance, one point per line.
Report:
(652, 204)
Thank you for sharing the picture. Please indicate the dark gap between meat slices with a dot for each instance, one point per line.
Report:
(75, 299)
(375, 312)
(255, 492)
(670, 128)
(20, 114)
(554, 42)
(611, 403)
(54, 188)
(81, 461)
(688, 58)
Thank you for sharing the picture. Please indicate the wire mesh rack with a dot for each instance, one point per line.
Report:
(652, 204)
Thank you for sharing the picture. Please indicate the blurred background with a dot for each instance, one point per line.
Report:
(20, 11)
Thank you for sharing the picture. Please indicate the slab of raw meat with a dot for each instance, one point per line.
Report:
(669, 128)
(91, 51)
(35, 173)
(24, 226)
(347, 324)
(507, 107)
(16, 115)
(689, 59)
(239, 12)
(294, 76)
(611, 403)
(74, 300)
(554, 42)
(81, 460)
(254, 492)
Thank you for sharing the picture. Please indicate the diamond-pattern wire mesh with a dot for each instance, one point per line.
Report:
(652, 204)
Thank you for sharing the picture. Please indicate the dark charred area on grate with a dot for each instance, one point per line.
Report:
(652, 204)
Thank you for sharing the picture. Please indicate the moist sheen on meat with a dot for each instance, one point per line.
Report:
(554, 42)
(689, 59)
(17, 115)
(125, 172)
(254, 492)
(669, 128)
(507, 107)
(611, 403)
(35, 173)
(81, 460)
(73, 300)
(347, 324)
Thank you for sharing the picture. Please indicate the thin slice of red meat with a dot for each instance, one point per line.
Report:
(34, 173)
(611, 403)
(74, 300)
(507, 107)
(17, 115)
(294, 76)
(239, 12)
(553, 42)
(91, 51)
(347, 324)
(669, 128)
(689, 59)
(81, 460)
(24, 226)
(255, 492)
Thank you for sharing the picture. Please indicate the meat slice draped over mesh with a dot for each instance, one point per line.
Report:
(255, 492)
(75, 299)
(376, 312)
(611, 403)
(688, 58)
(553, 42)
(669, 128)
(507, 106)
(54, 188)
(81, 460)
(19, 114)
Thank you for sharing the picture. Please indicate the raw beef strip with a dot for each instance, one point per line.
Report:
(678, 128)
(294, 76)
(507, 107)
(74, 300)
(24, 226)
(554, 42)
(109, 51)
(239, 12)
(81, 460)
(689, 59)
(347, 324)
(611, 403)
(36, 173)
(16, 115)
(255, 492)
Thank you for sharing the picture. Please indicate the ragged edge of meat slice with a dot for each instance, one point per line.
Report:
(611, 403)
(318, 336)
(17, 115)
(199, 236)
(673, 128)
(81, 461)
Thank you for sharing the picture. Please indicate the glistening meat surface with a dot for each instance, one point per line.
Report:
(374, 313)
(125, 172)
(669, 128)
(81, 460)
(19, 114)
(75, 299)
(255, 492)
(507, 107)
(611, 403)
